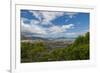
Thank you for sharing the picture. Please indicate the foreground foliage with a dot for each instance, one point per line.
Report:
(38, 52)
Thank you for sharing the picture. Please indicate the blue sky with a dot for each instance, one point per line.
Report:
(53, 24)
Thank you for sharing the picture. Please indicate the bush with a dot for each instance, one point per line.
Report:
(38, 51)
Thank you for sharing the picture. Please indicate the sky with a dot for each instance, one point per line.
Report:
(53, 24)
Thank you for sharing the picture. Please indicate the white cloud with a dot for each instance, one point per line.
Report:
(68, 26)
(34, 22)
(59, 29)
(37, 14)
(55, 29)
(71, 14)
(46, 16)
(32, 28)
(72, 33)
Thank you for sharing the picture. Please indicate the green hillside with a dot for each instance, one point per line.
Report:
(38, 52)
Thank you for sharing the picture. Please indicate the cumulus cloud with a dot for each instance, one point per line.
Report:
(46, 16)
(55, 29)
(37, 14)
(32, 28)
(71, 14)
(34, 22)
(68, 26)
(59, 29)
(36, 28)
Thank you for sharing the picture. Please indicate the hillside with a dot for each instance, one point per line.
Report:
(39, 52)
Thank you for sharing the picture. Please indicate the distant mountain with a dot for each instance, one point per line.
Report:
(63, 37)
(25, 38)
(44, 38)
(38, 38)
(32, 38)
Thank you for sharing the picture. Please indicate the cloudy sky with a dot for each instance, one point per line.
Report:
(53, 24)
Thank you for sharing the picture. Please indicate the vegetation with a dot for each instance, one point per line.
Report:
(38, 52)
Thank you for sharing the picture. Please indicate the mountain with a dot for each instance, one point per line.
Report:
(45, 38)
(32, 38)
